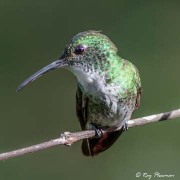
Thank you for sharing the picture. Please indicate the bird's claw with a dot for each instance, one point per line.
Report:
(98, 131)
(125, 126)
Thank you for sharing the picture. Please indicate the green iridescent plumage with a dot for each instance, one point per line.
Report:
(101, 56)
(109, 87)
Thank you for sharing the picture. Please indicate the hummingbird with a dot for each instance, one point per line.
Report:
(108, 87)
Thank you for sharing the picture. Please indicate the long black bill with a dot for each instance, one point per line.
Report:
(52, 66)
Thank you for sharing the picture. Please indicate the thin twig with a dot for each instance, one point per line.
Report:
(68, 138)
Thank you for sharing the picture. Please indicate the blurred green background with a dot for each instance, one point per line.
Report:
(34, 33)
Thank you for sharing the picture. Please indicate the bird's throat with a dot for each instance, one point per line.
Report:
(90, 82)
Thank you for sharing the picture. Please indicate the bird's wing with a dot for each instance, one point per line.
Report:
(81, 111)
(139, 93)
(139, 88)
(81, 107)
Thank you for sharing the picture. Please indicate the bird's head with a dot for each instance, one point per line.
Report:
(86, 49)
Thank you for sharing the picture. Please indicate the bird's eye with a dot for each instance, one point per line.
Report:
(79, 49)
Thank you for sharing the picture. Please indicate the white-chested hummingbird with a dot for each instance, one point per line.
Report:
(108, 86)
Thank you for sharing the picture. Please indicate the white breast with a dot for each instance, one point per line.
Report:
(90, 81)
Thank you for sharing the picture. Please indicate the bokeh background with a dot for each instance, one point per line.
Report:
(34, 33)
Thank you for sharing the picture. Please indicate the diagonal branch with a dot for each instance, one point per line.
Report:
(68, 138)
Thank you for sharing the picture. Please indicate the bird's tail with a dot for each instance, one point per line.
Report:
(91, 147)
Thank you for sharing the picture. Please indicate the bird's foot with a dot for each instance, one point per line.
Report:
(125, 126)
(98, 131)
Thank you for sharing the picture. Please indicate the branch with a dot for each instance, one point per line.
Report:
(68, 138)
